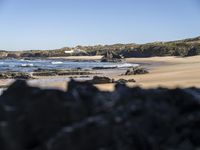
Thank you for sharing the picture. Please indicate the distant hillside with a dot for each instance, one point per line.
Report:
(186, 47)
(188, 41)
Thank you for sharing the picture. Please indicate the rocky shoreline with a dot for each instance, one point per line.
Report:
(57, 72)
(15, 75)
(163, 71)
(68, 72)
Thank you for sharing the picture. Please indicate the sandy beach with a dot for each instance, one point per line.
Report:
(170, 72)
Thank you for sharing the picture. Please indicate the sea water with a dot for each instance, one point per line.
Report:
(22, 65)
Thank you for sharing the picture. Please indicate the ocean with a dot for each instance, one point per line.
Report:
(22, 65)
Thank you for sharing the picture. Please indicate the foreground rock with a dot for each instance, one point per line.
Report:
(124, 81)
(15, 75)
(86, 119)
(101, 80)
(136, 71)
(110, 56)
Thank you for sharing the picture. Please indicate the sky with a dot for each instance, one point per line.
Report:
(51, 24)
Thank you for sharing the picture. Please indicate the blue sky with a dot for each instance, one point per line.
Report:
(50, 24)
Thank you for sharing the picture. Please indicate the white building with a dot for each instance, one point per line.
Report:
(69, 52)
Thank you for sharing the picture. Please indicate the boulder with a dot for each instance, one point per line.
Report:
(124, 81)
(101, 80)
(12, 55)
(192, 52)
(136, 71)
(27, 54)
(83, 118)
(110, 56)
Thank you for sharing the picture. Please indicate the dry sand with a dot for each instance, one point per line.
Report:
(170, 72)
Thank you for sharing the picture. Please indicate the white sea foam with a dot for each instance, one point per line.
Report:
(27, 65)
(26, 60)
(124, 65)
(56, 62)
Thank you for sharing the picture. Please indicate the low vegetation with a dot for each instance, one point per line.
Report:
(187, 47)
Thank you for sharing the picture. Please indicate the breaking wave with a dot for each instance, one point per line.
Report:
(125, 65)
(56, 62)
(27, 65)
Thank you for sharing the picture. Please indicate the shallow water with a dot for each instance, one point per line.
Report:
(22, 65)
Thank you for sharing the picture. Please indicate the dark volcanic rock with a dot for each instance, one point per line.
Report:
(101, 80)
(110, 56)
(15, 75)
(123, 81)
(192, 52)
(135, 71)
(11, 55)
(54, 72)
(86, 119)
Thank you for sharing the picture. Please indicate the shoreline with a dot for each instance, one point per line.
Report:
(169, 72)
(88, 58)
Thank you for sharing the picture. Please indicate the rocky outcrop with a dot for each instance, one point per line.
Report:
(192, 52)
(110, 56)
(12, 55)
(101, 80)
(124, 81)
(84, 118)
(136, 71)
(15, 75)
(3, 54)
(34, 54)
(54, 72)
